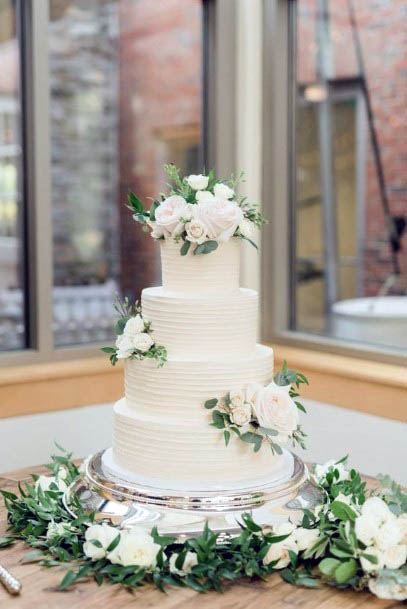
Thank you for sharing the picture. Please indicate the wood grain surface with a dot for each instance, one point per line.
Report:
(40, 587)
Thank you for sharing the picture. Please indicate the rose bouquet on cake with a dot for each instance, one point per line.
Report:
(199, 211)
(261, 415)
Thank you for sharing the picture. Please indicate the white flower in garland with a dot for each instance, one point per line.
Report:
(305, 538)
(190, 560)
(98, 538)
(387, 588)
(142, 342)
(322, 470)
(280, 551)
(124, 346)
(237, 398)
(136, 547)
(197, 182)
(57, 529)
(45, 483)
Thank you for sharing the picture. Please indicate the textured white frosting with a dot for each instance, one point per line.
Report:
(162, 433)
(180, 388)
(214, 273)
(203, 327)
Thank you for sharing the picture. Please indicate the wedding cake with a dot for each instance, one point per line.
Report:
(164, 436)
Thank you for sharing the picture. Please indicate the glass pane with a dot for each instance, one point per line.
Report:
(350, 278)
(12, 326)
(126, 90)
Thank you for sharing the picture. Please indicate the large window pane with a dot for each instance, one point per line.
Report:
(126, 89)
(12, 327)
(349, 279)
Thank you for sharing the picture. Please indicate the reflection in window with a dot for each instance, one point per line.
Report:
(126, 89)
(12, 328)
(350, 204)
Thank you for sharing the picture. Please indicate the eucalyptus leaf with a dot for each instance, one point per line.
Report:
(206, 248)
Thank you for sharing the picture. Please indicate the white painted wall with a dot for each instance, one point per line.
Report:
(375, 445)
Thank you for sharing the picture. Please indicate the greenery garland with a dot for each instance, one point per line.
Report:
(327, 548)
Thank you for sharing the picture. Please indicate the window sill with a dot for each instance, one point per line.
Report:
(358, 384)
(58, 385)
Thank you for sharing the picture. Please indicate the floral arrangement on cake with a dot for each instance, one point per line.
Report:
(199, 211)
(134, 336)
(261, 415)
(354, 539)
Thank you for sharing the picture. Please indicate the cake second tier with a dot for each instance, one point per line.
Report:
(203, 327)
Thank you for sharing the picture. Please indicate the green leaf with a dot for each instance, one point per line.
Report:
(135, 203)
(120, 325)
(68, 579)
(6, 541)
(250, 241)
(226, 435)
(328, 566)
(210, 403)
(342, 511)
(113, 544)
(206, 248)
(108, 350)
(33, 556)
(185, 248)
(345, 571)
(218, 420)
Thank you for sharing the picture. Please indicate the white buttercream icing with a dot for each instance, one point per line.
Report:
(203, 327)
(214, 273)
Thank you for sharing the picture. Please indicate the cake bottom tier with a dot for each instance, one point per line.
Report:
(181, 456)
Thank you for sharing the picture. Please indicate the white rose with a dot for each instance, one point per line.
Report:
(197, 182)
(388, 535)
(220, 216)
(101, 533)
(124, 346)
(196, 231)
(241, 415)
(222, 191)
(276, 410)
(367, 565)
(134, 325)
(280, 551)
(395, 557)
(136, 547)
(142, 342)
(205, 196)
(376, 508)
(366, 529)
(251, 392)
(322, 470)
(246, 228)
(44, 483)
(190, 561)
(387, 588)
(237, 398)
(156, 231)
(57, 529)
(169, 213)
(305, 538)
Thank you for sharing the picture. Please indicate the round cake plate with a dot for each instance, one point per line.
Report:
(184, 514)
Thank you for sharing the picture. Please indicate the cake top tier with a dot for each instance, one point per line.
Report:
(217, 272)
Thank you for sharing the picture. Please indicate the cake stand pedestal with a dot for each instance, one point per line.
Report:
(183, 513)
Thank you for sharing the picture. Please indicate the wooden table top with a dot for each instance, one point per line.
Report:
(39, 586)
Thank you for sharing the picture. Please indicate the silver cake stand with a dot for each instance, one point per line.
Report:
(183, 513)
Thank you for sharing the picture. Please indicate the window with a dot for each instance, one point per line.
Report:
(126, 91)
(111, 90)
(345, 282)
(12, 305)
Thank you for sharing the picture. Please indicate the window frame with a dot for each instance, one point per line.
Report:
(278, 147)
(218, 80)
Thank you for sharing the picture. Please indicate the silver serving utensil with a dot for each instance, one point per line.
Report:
(11, 583)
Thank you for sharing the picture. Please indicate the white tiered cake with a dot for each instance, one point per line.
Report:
(162, 433)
